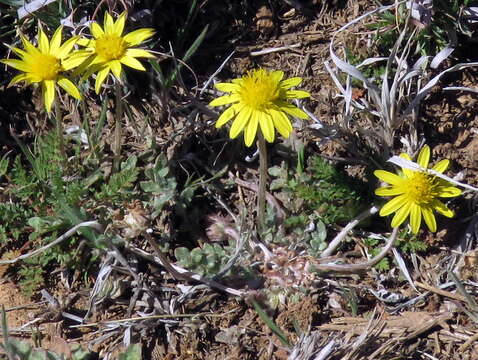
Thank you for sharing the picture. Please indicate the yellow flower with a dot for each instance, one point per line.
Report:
(260, 98)
(416, 192)
(110, 49)
(45, 64)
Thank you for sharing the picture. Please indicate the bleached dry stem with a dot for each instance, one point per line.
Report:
(352, 268)
(341, 235)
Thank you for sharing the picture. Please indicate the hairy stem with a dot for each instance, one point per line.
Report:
(118, 119)
(59, 127)
(261, 195)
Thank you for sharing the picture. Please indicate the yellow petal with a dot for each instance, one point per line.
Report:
(415, 217)
(227, 87)
(90, 43)
(70, 88)
(224, 100)
(441, 166)
(292, 110)
(448, 191)
(291, 82)
(388, 191)
(241, 120)
(19, 52)
(29, 46)
(281, 122)
(429, 218)
(388, 177)
(267, 126)
(228, 114)
(43, 43)
(116, 68)
(17, 64)
(119, 24)
(424, 156)
(277, 75)
(296, 94)
(135, 53)
(48, 87)
(100, 78)
(76, 59)
(442, 208)
(56, 41)
(401, 215)
(251, 129)
(66, 48)
(408, 173)
(18, 78)
(108, 23)
(138, 36)
(96, 30)
(132, 63)
(393, 205)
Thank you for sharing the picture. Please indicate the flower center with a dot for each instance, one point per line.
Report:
(421, 188)
(110, 47)
(46, 67)
(259, 89)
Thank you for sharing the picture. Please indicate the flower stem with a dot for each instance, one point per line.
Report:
(261, 196)
(59, 127)
(118, 119)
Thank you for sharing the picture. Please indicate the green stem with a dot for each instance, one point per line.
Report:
(261, 196)
(118, 119)
(59, 127)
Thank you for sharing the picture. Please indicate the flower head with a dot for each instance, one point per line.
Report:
(45, 64)
(416, 193)
(110, 49)
(260, 98)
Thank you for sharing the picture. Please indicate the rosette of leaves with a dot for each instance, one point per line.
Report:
(206, 261)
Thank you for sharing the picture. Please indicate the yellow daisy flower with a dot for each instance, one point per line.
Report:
(416, 193)
(260, 98)
(46, 64)
(110, 49)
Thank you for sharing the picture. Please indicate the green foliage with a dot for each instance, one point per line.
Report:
(406, 242)
(373, 246)
(271, 324)
(322, 190)
(206, 261)
(120, 185)
(133, 352)
(410, 243)
(446, 19)
(317, 241)
(160, 185)
(22, 350)
(49, 196)
(13, 217)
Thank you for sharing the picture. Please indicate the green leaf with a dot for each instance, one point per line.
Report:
(321, 231)
(275, 171)
(271, 324)
(4, 162)
(151, 187)
(78, 353)
(133, 352)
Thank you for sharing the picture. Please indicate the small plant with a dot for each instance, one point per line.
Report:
(374, 246)
(207, 260)
(326, 193)
(439, 23)
(159, 185)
